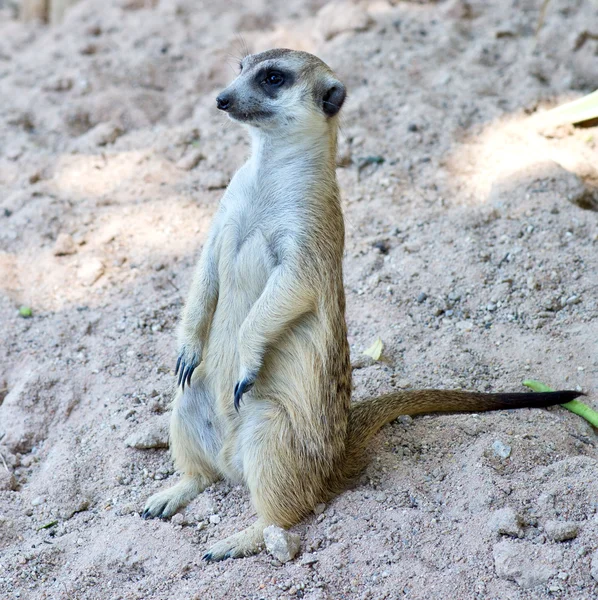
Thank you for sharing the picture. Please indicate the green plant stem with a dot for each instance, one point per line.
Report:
(575, 406)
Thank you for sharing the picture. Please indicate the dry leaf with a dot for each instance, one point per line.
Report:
(375, 350)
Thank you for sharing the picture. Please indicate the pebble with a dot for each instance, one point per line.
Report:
(501, 450)
(594, 566)
(91, 271)
(524, 563)
(214, 519)
(64, 245)
(8, 481)
(338, 17)
(190, 160)
(178, 519)
(281, 544)
(422, 297)
(105, 133)
(214, 180)
(37, 501)
(362, 361)
(151, 434)
(561, 531)
(506, 521)
(309, 559)
(319, 509)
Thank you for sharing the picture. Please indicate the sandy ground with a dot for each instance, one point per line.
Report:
(471, 252)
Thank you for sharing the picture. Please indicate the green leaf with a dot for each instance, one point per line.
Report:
(25, 312)
(375, 350)
(47, 525)
(575, 406)
(582, 109)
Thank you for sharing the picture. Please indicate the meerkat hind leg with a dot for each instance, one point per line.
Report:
(245, 543)
(194, 443)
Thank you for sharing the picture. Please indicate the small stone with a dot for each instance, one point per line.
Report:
(214, 519)
(491, 307)
(190, 160)
(90, 272)
(319, 509)
(361, 361)
(338, 17)
(178, 519)
(594, 566)
(381, 497)
(81, 505)
(282, 544)
(37, 501)
(151, 434)
(422, 297)
(561, 531)
(501, 450)
(64, 245)
(308, 560)
(506, 522)
(62, 84)
(105, 133)
(8, 481)
(214, 180)
(522, 563)
(403, 384)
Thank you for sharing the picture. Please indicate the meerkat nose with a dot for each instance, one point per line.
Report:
(223, 102)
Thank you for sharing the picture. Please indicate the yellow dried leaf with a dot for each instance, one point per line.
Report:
(375, 350)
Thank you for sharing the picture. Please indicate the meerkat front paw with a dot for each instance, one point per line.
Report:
(241, 387)
(186, 363)
(165, 503)
(162, 505)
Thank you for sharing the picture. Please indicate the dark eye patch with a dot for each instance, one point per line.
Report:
(271, 80)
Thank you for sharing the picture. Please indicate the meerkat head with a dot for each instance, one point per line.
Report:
(283, 89)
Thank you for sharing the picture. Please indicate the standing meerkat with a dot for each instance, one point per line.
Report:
(264, 376)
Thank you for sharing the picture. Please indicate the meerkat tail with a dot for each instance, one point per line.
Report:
(368, 416)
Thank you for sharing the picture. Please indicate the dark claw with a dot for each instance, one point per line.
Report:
(240, 388)
(188, 374)
(184, 370)
(227, 555)
(207, 556)
(146, 514)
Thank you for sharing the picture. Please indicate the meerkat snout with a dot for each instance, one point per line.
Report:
(223, 102)
(282, 88)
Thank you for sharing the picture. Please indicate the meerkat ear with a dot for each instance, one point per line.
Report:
(333, 97)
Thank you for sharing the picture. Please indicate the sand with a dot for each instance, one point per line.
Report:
(472, 241)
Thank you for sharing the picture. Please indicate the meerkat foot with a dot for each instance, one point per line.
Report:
(165, 503)
(245, 543)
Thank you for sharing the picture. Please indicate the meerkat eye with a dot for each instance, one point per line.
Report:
(274, 79)
(240, 67)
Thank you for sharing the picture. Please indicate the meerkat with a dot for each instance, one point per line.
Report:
(264, 376)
